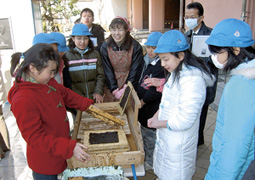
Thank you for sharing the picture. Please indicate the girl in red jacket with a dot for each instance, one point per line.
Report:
(38, 104)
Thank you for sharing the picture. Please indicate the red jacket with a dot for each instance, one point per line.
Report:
(42, 119)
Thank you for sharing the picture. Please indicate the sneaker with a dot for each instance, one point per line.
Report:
(147, 166)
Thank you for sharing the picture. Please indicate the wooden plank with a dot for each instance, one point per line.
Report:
(108, 107)
(125, 158)
(69, 163)
(76, 125)
(135, 130)
(110, 159)
(98, 113)
(136, 99)
(125, 98)
(131, 142)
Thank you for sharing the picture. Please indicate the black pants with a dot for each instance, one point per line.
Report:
(202, 124)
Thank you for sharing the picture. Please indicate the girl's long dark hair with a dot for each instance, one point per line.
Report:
(117, 23)
(246, 54)
(38, 55)
(191, 60)
(71, 44)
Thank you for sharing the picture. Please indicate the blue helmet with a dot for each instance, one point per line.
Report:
(172, 41)
(153, 38)
(60, 38)
(80, 30)
(231, 33)
(44, 38)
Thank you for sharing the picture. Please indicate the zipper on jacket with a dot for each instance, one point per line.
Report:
(86, 86)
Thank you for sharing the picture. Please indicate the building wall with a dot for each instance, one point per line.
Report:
(22, 30)
(137, 17)
(251, 15)
(156, 15)
(26, 22)
(217, 10)
(214, 12)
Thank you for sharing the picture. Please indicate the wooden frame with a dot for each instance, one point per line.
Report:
(125, 97)
(136, 153)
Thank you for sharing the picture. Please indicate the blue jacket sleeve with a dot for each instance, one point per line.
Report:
(235, 147)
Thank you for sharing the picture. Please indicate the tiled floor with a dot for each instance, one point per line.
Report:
(14, 166)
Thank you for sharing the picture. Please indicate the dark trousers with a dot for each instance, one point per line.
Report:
(38, 176)
(202, 124)
(149, 137)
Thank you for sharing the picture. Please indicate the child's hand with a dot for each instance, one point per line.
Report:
(80, 154)
(153, 122)
(142, 103)
(98, 97)
(152, 82)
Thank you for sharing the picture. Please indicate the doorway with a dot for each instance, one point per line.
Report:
(145, 14)
(172, 11)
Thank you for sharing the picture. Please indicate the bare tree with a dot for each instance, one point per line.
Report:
(100, 9)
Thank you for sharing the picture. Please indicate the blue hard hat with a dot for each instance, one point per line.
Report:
(44, 38)
(153, 38)
(231, 33)
(60, 38)
(171, 41)
(80, 30)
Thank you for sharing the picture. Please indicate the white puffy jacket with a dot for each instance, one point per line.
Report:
(181, 104)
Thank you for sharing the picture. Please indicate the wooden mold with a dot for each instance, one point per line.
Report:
(89, 122)
(120, 154)
(113, 140)
(125, 98)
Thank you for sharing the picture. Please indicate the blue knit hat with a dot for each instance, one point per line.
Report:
(60, 38)
(172, 41)
(80, 30)
(44, 38)
(153, 38)
(231, 33)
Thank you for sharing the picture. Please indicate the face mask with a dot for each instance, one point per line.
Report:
(216, 62)
(191, 23)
